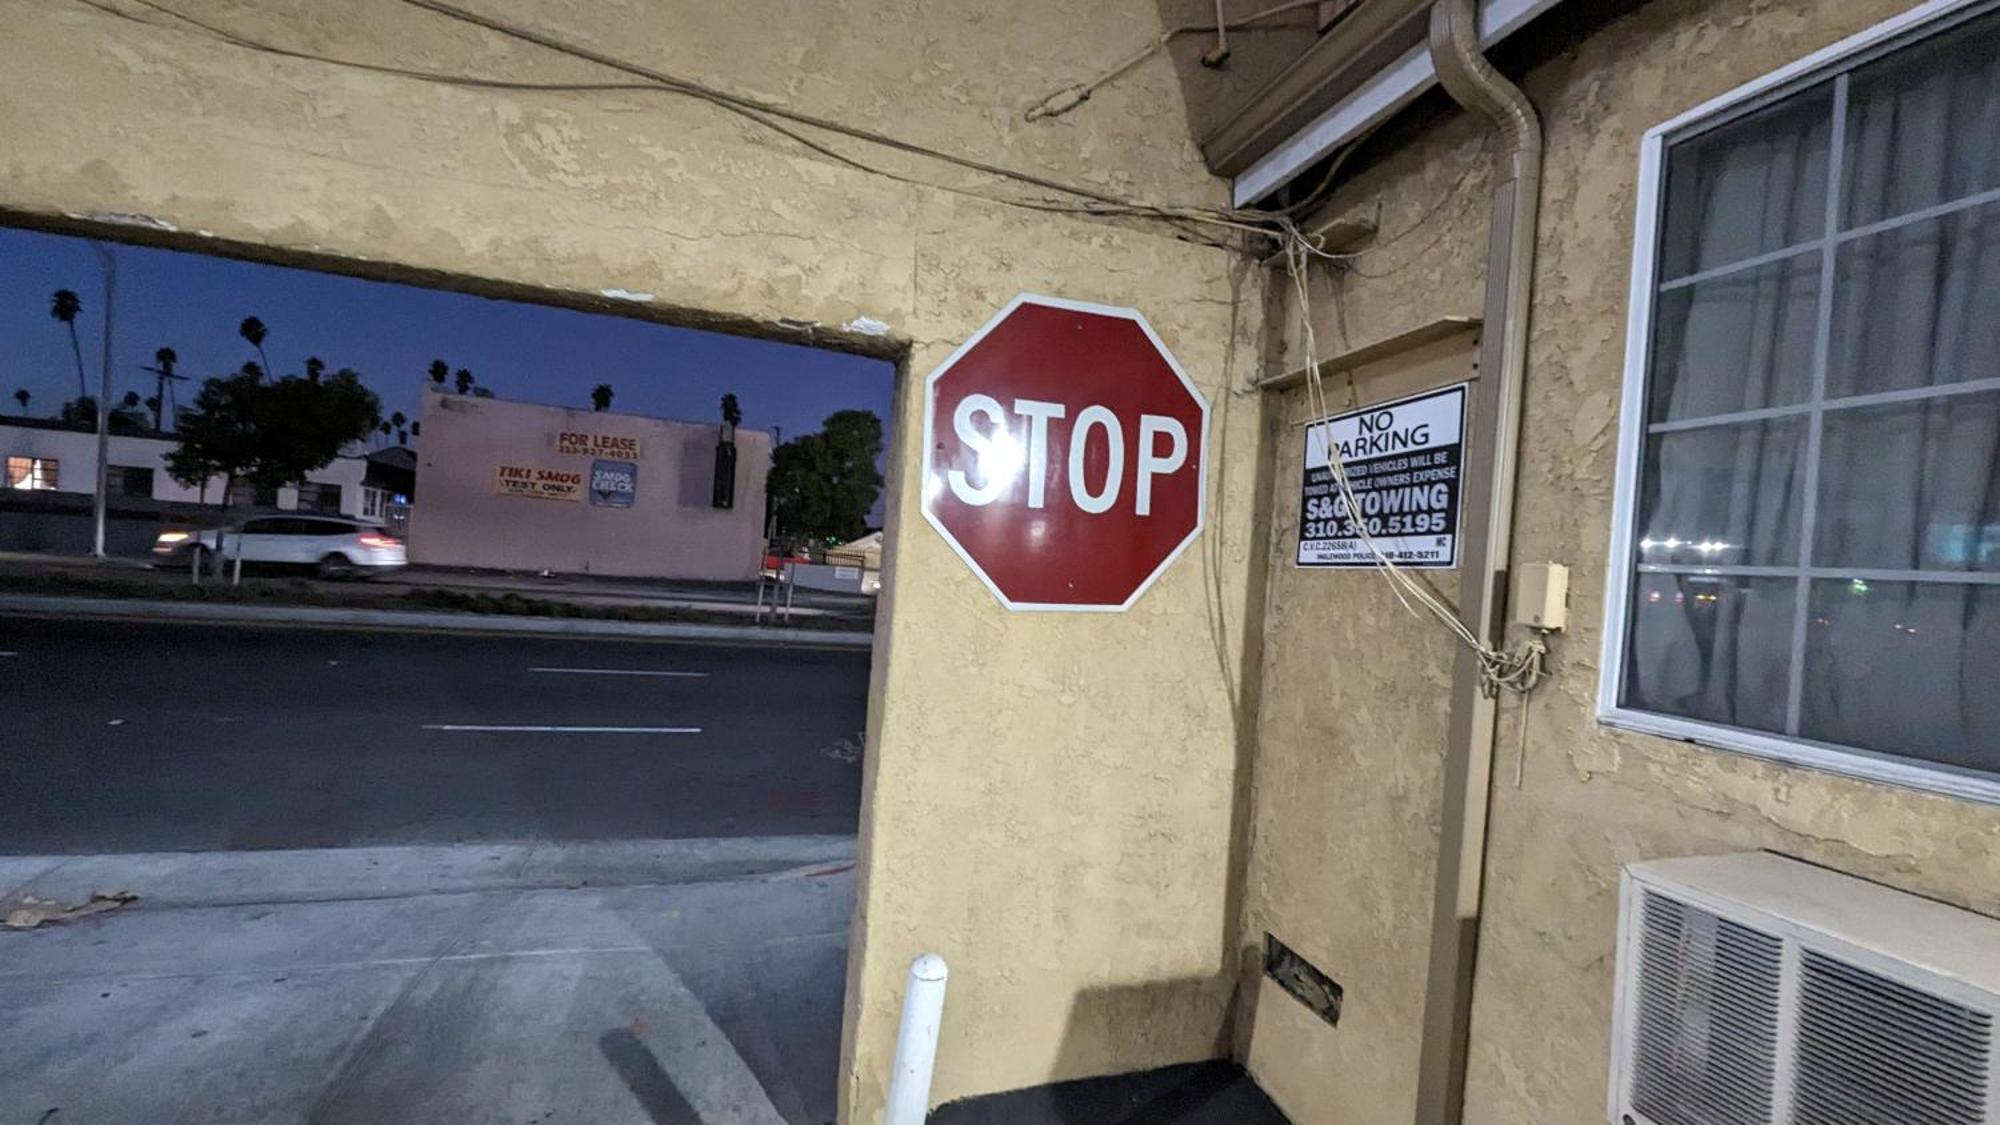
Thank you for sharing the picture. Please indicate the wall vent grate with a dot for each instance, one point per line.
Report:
(1871, 1049)
(1753, 989)
(1707, 1020)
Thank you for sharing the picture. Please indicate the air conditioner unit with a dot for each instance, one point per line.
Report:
(1757, 990)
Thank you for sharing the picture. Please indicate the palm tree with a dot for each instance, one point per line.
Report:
(252, 330)
(463, 381)
(314, 366)
(163, 384)
(439, 373)
(130, 401)
(64, 307)
(600, 397)
(731, 412)
(416, 429)
(22, 396)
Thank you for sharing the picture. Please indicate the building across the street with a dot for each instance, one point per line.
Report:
(518, 486)
(48, 480)
(44, 455)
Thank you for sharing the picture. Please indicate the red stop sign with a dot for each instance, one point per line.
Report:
(1066, 455)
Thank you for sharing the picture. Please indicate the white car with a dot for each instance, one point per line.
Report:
(334, 546)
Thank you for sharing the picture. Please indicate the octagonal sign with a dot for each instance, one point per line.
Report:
(1065, 455)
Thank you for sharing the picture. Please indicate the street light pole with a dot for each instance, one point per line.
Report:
(102, 499)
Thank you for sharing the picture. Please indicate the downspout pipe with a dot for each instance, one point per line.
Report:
(1471, 80)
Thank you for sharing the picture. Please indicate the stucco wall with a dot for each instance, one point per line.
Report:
(670, 528)
(1352, 745)
(1050, 796)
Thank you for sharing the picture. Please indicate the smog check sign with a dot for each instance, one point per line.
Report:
(1403, 462)
(1065, 455)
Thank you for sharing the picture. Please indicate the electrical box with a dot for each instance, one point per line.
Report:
(1541, 596)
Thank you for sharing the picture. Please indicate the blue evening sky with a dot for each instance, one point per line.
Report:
(390, 333)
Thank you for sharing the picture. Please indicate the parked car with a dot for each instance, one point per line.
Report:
(334, 546)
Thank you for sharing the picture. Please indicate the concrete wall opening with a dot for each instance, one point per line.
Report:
(572, 741)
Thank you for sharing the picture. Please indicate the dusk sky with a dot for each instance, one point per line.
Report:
(390, 334)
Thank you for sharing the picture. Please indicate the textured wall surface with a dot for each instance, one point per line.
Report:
(1354, 694)
(1052, 797)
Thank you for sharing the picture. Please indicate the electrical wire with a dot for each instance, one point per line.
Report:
(1517, 671)
(1072, 96)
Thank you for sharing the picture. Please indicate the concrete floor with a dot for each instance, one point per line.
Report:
(660, 982)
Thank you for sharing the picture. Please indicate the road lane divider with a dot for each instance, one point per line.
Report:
(620, 672)
(484, 728)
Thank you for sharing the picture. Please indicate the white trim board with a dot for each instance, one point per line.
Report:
(1380, 97)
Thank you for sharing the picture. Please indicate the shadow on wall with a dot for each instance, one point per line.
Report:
(1214, 1091)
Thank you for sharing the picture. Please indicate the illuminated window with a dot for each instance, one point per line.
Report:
(36, 474)
(1809, 527)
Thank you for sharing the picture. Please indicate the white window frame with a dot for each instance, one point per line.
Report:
(1910, 773)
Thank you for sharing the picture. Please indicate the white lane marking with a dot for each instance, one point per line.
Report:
(560, 730)
(2, 654)
(618, 672)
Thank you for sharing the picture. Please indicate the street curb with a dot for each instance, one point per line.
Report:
(121, 609)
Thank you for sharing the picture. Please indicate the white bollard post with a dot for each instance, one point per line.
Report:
(916, 1042)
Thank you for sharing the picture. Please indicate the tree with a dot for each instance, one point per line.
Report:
(164, 379)
(79, 411)
(731, 413)
(64, 306)
(462, 381)
(315, 367)
(252, 330)
(271, 433)
(398, 422)
(439, 373)
(600, 397)
(130, 414)
(416, 429)
(22, 396)
(823, 485)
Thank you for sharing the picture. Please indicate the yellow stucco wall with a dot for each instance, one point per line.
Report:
(1051, 797)
(1351, 728)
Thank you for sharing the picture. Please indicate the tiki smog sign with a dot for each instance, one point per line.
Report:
(616, 446)
(537, 483)
(613, 484)
(1403, 463)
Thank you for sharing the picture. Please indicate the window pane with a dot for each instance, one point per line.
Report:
(1723, 494)
(1748, 188)
(1906, 668)
(1737, 342)
(1918, 305)
(1923, 126)
(1712, 648)
(1914, 486)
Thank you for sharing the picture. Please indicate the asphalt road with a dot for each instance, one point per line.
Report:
(118, 737)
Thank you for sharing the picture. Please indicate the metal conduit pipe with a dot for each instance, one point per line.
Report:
(1471, 80)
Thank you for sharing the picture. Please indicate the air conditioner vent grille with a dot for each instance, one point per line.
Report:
(1707, 1019)
(1871, 1050)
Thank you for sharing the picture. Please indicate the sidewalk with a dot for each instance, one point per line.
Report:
(646, 981)
(421, 598)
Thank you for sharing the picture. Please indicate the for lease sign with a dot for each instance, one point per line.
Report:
(616, 446)
(538, 483)
(1403, 463)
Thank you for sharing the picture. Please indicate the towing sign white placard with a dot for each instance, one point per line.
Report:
(1403, 463)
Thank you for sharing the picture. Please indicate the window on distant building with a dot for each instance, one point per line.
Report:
(247, 495)
(1809, 535)
(37, 474)
(130, 481)
(317, 497)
